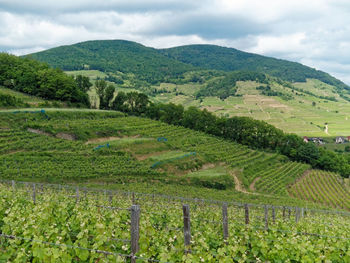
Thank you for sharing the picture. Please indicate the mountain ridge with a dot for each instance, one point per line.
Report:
(157, 65)
(233, 59)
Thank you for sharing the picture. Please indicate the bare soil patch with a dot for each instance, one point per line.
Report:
(61, 135)
(36, 131)
(207, 166)
(66, 136)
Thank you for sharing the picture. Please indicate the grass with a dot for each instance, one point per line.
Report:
(26, 98)
(212, 172)
(168, 155)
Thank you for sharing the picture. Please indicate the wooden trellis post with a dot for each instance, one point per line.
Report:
(225, 221)
(135, 231)
(187, 228)
(266, 217)
(246, 209)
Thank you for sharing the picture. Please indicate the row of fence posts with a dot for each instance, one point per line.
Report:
(135, 220)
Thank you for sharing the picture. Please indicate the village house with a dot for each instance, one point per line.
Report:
(317, 140)
(340, 139)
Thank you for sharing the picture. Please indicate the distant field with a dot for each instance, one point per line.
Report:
(92, 74)
(304, 115)
(296, 116)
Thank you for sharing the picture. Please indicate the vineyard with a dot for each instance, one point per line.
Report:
(133, 152)
(72, 147)
(322, 187)
(58, 223)
(72, 222)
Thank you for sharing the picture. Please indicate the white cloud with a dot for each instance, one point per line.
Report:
(283, 44)
(314, 32)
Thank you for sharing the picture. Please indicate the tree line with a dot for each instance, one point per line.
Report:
(244, 130)
(225, 86)
(38, 79)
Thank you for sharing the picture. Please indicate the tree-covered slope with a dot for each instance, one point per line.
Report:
(38, 79)
(230, 59)
(154, 65)
(114, 55)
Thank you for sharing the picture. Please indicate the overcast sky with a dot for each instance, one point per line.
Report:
(313, 32)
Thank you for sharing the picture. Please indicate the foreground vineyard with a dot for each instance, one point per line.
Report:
(52, 223)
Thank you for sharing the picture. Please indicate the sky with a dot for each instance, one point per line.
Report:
(315, 33)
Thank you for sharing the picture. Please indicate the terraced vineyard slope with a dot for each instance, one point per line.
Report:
(109, 147)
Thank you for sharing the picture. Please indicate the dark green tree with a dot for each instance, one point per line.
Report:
(101, 86)
(118, 103)
(108, 96)
(171, 113)
(83, 83)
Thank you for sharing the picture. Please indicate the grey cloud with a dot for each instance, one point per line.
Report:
(94, 21)
(208, 26)
(50, 7)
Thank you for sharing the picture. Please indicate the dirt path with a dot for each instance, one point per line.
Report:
(238, 185)
(326, 129)
(252, 185)
(240, 188)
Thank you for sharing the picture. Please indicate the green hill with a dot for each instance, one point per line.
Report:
(154, 65)
(291, 96)
(114, 55)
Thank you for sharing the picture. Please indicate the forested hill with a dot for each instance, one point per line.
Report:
(114, 55)
(230, 59)
(160, 65)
